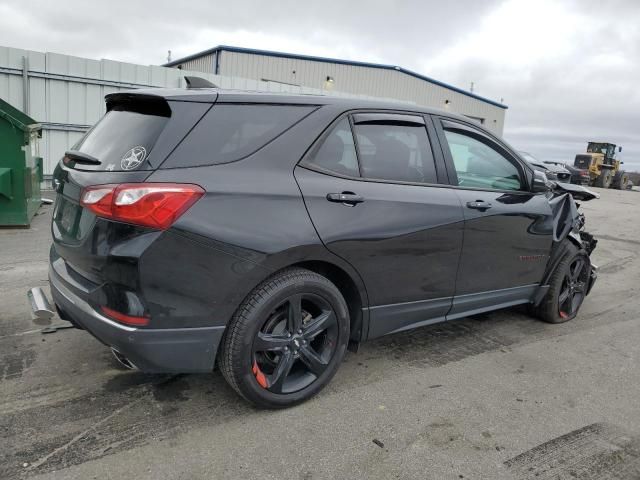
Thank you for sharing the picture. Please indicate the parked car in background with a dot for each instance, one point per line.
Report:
(267, 233)
(552, 171)
(579, 176)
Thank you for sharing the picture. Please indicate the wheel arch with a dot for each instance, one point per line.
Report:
(352, 291)
(350, 286)
(559, 251)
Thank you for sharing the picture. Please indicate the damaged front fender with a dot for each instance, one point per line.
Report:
(568, 224)
(578, 192)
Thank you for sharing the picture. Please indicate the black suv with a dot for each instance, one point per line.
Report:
(268, 233)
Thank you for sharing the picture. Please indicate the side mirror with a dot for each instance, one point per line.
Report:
(619, 149)
(540, 183)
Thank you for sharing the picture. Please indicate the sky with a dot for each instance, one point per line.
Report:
(569, 70)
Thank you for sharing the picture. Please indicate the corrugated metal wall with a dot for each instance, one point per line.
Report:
(362, 80)
(354, 79)
(205, 64)
(66, 94)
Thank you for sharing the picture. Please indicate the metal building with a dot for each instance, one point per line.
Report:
(65, 94)
(329, 74)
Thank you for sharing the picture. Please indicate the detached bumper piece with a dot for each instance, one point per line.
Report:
(588, 241)
(592, 277)
(41, 310)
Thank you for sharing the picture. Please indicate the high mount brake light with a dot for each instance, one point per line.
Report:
(155, 205)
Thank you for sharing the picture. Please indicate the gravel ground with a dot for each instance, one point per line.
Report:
(495, 396)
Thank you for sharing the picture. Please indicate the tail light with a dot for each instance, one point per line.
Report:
(155, 205)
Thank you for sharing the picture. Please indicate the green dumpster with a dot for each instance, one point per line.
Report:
(20, 166)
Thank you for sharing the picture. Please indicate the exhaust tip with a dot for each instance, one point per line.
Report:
(122, 360)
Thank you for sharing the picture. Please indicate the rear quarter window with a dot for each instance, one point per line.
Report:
(230, 132)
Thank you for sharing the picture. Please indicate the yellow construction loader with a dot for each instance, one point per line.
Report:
(604, 169)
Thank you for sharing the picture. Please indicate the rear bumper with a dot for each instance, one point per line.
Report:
(170, 350)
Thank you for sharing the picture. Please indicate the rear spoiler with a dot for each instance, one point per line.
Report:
(137, 102)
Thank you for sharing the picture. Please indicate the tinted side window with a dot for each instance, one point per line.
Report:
(230, 132)
(337, 153)
(398, 152)
(479, 165)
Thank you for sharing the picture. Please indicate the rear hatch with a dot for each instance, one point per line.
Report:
(583, 161)
(560, 172)
(96, 257)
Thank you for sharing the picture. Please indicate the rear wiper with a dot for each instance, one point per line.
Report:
(80, 157)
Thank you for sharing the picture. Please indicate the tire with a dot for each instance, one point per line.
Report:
(620, 180)
(604, 179)
(274, 352)
(553, 309)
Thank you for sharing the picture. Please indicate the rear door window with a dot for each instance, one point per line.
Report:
(337, 153)
(395, 148)
(230, 132)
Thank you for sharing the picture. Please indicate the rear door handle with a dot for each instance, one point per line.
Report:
(479, 205)
(348, 198)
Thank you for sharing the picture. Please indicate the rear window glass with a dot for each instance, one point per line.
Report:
(121, 135)
(582, 161)
(230, 132)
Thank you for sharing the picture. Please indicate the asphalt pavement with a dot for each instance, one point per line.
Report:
(499, 395)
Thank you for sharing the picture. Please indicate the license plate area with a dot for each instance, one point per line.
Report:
(69, 214)
(72, 221)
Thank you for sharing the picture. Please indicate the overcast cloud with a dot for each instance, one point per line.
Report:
(569, 70)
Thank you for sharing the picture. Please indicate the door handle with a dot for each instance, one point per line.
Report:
(348, 198)
(479, 205)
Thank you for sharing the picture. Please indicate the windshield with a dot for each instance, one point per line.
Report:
(607, 149)
(533, 161)
(529, 158)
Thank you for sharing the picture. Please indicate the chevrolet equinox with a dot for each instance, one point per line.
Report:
(267, 233)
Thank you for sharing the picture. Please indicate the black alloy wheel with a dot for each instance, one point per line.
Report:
(568, 286)
(294, 346)
(286, 340)
(574, 288)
